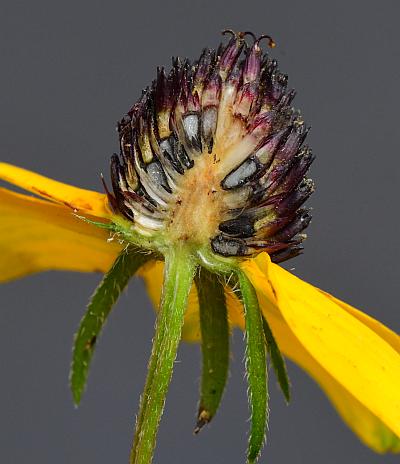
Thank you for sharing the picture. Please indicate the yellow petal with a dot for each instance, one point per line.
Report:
(365, 424)
(36, 235)
(81, 200)
(152, 274)
(391, 337)
(349, 354)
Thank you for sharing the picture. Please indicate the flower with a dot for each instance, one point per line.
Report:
(209, 187)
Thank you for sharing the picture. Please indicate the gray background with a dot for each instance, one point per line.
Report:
(69, 71)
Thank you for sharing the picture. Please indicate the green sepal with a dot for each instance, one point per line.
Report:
(278, 361)
(122, 231)
(99, 308)
(214, 344)
(103, 225)
(256, 367)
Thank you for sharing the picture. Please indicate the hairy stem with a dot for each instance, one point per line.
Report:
(178, 277)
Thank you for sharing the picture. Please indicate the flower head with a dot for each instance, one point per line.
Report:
(208, 188)
(213, 154)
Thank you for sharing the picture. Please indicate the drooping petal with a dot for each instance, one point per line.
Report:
(369, 428)
(365, 424)
(81, 200)
(391, 337)
(353, 357)
(36, 235)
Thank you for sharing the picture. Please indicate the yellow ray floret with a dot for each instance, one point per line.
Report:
(358, 412)
(36, 235)
(354, 358)
(81, 200)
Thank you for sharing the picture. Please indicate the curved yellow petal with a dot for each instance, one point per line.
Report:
(387, 334)
(366, 425)
(36, 235)
(152, 274)
(80, 200)
(349, 354)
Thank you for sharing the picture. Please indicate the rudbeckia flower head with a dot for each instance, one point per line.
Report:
(213, 155)
(206, 199)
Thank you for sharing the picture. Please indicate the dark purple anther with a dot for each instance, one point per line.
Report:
(297, 134)
(252, 64)
(298, 170)
(299, 223)
(288, 253)
(246, 98)
(203, 68)
(262, 123)
(193, 102)
(184, 87)
(235, 76)
(162, 90)
(212, 90)
(231, 53)
(296, 198)
(118, 181)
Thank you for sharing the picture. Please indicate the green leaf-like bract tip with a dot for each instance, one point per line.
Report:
(214, 344)
(99, 308)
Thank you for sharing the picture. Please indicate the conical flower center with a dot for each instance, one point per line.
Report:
(198, 205)
(212, 154)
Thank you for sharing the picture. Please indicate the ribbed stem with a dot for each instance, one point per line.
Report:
(178, 277)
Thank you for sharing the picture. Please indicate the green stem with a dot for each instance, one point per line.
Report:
(255, 367)
(178, 277)
(214, 344)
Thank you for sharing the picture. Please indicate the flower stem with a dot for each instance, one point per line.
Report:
(178, 277)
